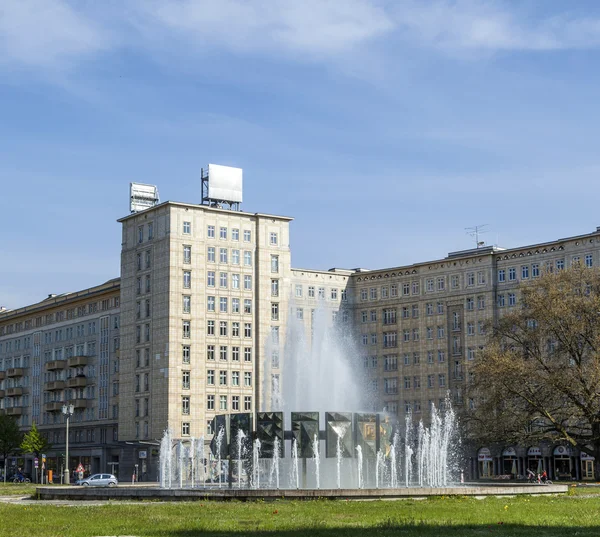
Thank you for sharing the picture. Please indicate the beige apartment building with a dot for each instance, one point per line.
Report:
(205, 295)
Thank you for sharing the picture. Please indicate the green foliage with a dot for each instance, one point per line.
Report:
(34, 442)
(10, 436)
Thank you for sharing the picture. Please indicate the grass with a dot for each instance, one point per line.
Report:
(21, 489)
(575, 514)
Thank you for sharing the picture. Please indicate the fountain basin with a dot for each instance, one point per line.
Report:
(138, 492)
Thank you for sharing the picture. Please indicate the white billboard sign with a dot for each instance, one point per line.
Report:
(142, 197)
(224, 183)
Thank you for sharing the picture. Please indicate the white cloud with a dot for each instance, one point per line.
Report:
(53, 34)
(487, 25)
(45, 33)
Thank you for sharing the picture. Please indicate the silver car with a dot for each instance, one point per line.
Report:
(99, 480)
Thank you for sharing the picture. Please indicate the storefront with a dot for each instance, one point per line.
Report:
(509, 462)
(563, 463)
(587, 466)
(485, 462)
(535, 461)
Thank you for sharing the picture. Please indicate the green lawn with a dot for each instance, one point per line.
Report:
(21, 489)
(565, 516)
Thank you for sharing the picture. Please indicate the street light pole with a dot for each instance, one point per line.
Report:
(67, 410)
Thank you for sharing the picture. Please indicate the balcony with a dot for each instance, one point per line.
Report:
(56, 364)
(80, 403)
(54, 406)
(77, 382)
(14, 392)
(77, 361)
(2, 375)
(55, 385)
(14, 411)
(14, 372)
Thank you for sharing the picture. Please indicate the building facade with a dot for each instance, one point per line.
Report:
(65, 349)
(205, 295)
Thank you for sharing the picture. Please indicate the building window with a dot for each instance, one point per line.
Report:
(470, 304)
(235, 402)
(185, 429)
(210, 278)
(247, 329)
(373, 316)
(187, 304)
(210, 402)
(440, 332)
(210, 254)
(373, 293)
(481, 302)
(390, 339)
(185, 357)
(235, 305)
(560, 264)
(186, 329)
(222, 402)
(334, 294)
(247, 378)
(210, 352)
(222, 378)
(481, 278)
(322, 293)
(247, 259)
(441, 356)
(274, 311)
(140, 234)
(235, 257)
(210, 328)
(442, 380)
(222, 328)
(187, 279)
(210, 303)
(247, 282)
(247, 402)
(187, 254)
(274, 263)
(273, 239)
(247, 354)
(470, 279)
(454, 282)
(223, 280)
(589, 260)
(235, 234)
(223, 353)
(525, 272)
(441, 283)
(210, 232)
(223, 233)
(535, 270)
(247, 235)
(274, 287)
(185, 380)
(187, 228)
(222, 255)
(501, 301)
(299, 291)
(512, 299)
(248, 305)
(512, 274)
(185, 404)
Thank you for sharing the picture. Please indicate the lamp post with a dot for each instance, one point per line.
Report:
(67, 410)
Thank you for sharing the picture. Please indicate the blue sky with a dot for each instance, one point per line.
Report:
(384, 128)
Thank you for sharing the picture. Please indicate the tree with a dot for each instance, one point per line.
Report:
(539, 375)
(36, 443)
(10, 438)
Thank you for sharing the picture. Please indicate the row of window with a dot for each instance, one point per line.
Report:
(223, 400)
(534, 269)
(224, 303)
(235, 378)
(320, 292)
(223, 329)
(58, 317)
(211, 232)
(224, 353)
(390, 339)
(431, 285)
(390, 362)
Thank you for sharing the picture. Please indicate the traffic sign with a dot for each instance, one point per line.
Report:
(80, 468)
(36, 462)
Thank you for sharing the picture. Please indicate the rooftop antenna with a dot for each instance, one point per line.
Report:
(475, 232)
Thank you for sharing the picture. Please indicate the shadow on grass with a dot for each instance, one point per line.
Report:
(392, 528)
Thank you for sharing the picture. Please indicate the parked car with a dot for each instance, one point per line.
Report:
(99, 480)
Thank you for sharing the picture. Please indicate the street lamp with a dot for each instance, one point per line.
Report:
(67, 410)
